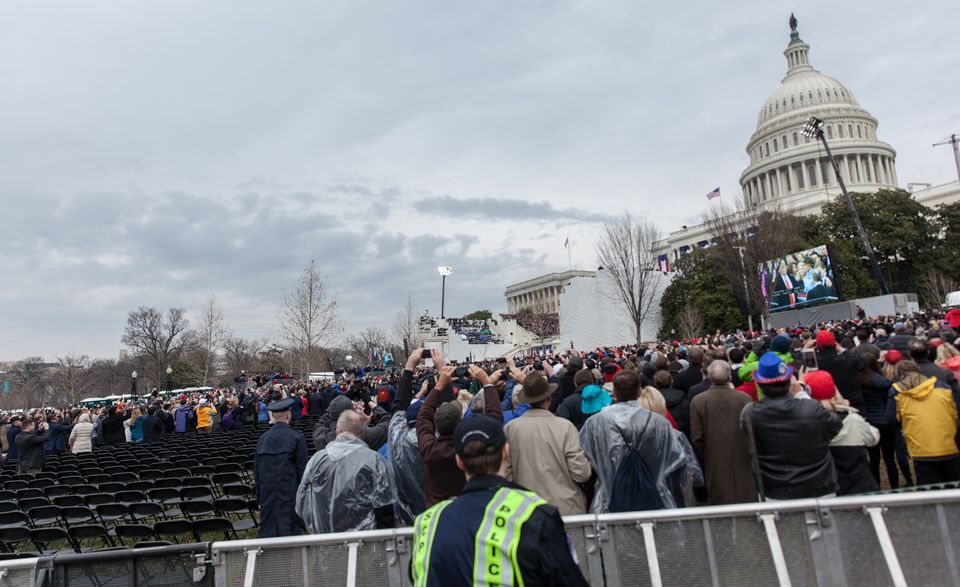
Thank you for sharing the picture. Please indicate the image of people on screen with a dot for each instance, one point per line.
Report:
(798, 279)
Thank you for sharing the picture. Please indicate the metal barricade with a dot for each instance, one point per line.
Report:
(376, 557)
(876, 540)
(17, 572)
(186, 565)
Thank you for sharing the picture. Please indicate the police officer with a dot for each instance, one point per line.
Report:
(516, 531)
(278, 467)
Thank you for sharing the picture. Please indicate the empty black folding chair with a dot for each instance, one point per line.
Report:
(213, 526)
(30, 493)
(228, 506)
(124, 477)
(95, 499)
(86, 536)
(50, 540)
(178, 531)
(77, 515)
(85, 489)
(9, 506)
(197, 509)
(34, 502)
(14, 538)
(174, 482)
(111, 513)
(128, 497)
(15, 485)
(40, 483)
(112, 487)
(131, 534)
(98, 478)
(46, 515)
(57, 490)
(147, 511)
(194, 493)
(68, 500)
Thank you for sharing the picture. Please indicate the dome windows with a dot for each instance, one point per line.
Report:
(796, 140)
(840, 131)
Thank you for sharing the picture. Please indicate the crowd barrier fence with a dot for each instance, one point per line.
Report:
(876, 540)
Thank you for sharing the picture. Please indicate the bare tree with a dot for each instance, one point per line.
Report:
(309, 315)
(72, 377)
(209, 336)
(934, 287)
(626, 252)
(746, 237)
(690, 321)
(406, 327)
(367, 341)
(240, 354)
(31, 383)
(158, 339)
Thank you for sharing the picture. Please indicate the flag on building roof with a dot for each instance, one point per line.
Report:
(663, 263)
(566, 243)
(714, 194)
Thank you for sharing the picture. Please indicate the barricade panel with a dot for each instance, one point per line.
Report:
(739, 539)
(863, 562)
(915, 533)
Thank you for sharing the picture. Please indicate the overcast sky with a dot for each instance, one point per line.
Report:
(153, 153)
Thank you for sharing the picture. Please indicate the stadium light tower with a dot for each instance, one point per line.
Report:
(444, 272)
(813, 129)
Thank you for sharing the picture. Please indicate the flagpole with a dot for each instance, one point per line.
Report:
(569, 261)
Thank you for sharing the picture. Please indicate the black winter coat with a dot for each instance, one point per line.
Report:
(793, 446)
(689, 377)
(112, 428)
(278, 466)
(845, 369)
(679, 408)
(875, 395)
(30, 449)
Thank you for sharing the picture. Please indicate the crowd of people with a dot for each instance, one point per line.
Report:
(835, 409)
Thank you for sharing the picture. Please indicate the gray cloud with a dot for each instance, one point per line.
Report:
(503, 209)
(158, 153)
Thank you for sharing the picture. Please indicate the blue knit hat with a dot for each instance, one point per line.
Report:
(780, 344)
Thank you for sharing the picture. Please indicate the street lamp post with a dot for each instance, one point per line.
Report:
(169, 371)
(133, 384)
(814, 130)
(444, 272)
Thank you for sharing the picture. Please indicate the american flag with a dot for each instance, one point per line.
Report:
(714, 194)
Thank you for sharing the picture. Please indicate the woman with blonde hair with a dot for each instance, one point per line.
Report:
(948, 357)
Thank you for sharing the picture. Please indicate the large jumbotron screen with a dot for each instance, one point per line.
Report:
(800, 279)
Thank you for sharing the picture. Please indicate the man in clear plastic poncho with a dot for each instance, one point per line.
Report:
(346, 486)
(638, 459)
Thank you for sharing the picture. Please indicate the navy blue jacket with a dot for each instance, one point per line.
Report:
(278, 467)
(12, 433)
(58, 438)
(543, 553)
(875, 397)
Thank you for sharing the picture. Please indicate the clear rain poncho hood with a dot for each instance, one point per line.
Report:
(342, 486)
(604, 438)
(406, 470)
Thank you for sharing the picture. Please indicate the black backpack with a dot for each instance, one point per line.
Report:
(634, 489)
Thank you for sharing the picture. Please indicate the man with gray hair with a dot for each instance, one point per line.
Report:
(346, 486)
(718, 440)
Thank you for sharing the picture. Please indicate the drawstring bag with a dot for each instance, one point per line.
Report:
(634, 489)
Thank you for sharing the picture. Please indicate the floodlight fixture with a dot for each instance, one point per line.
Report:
(813, 128)
(445, 271)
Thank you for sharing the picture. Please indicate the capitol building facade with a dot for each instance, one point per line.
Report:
(792, 172)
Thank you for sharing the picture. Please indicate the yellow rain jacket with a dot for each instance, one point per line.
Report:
(928, 417)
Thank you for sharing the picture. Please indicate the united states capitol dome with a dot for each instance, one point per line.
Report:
(792, 170)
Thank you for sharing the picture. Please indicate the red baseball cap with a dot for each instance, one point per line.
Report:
(893, 357)
(825, 338)
(821, 385)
